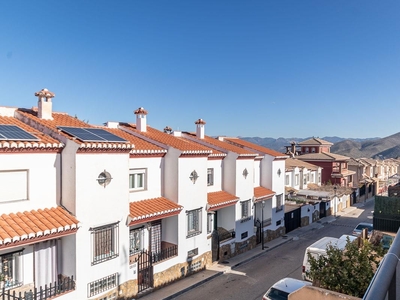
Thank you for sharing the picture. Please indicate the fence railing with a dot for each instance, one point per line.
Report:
(49, 291)
(165, 254)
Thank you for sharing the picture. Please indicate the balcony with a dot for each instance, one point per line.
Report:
(168, 250)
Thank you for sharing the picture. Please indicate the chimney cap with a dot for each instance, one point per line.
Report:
(141, 110)
(200, 121)
(45, 93)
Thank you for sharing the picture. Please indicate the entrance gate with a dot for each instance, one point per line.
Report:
(145, 271)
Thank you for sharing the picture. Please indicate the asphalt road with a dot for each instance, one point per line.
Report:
(252, 279)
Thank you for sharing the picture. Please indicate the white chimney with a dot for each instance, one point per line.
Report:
(141, 119)
(45, 106)
(200, 128)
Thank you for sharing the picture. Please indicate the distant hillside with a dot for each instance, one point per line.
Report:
(280, 144)
(387, 147)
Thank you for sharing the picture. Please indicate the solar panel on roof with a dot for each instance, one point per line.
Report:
(108, 136)
(15, 133)
(91, 134)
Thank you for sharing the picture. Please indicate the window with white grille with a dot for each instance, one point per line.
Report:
(193, 222)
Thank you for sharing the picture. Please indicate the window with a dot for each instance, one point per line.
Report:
(137, 179)
(102, 285)
(297, 179)
(193, 222)
(136, 237)
(210, 176)
(287, 179)
(304, 179)
(312, 177)
(279, 203)
(11, 269)
(14, 185)
(312, 150)
(209, 223)
(104, 243)
(319, 177)
(245, 205)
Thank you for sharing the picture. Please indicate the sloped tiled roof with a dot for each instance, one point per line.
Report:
(222, 146)
(291, 163)
(315, 141)
(322, 156)
(220, 199)
(63, 119)
(243, 143)
(152, 209)
(30, 227)
(44, 141)
(262, 193)
(141, 146)
(165, 139)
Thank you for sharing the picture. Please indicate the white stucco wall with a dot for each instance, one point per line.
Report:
(153, 167)
(215, 164)
(96, 206)
(41, 183)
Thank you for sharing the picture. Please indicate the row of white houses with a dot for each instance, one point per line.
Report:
(114, 211)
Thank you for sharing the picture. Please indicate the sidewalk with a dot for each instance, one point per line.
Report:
(181, 286)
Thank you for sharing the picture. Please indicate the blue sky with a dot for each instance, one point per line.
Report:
(248, 68)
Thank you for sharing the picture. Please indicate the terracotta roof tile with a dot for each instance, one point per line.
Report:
(44, 141)
(28, 227)
(262, 193)
(152, 209)
(180, 143)
(262, 150)
(222, 146)
(220, 199)
(315, 141)
(291, 163)
(63, 119)
(141, 145)
(322, 156)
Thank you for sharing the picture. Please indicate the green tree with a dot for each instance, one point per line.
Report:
(347, 271)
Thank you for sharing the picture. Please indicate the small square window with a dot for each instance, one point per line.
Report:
(137, 179)
(209, 223)
(10, 268)
(136, 237)
(193, 222)
(104, 243)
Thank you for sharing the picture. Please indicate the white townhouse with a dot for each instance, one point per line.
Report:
(269, 187)
(92, 180)
(252, 173)
(181, 228)
(233, 219)
(298, 174)
(36, 230)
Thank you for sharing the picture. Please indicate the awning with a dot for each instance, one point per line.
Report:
(220, 199)
(152, 209)
(29, 227)
(262, 193)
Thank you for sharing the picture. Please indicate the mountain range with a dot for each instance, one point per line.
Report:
(383, 148)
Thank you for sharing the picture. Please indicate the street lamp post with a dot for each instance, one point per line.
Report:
(335, 202)
(262, 225)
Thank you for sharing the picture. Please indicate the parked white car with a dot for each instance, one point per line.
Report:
(282, 289)
(359, 228)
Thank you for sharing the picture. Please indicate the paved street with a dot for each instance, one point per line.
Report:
(249, 275)
(250, 280)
